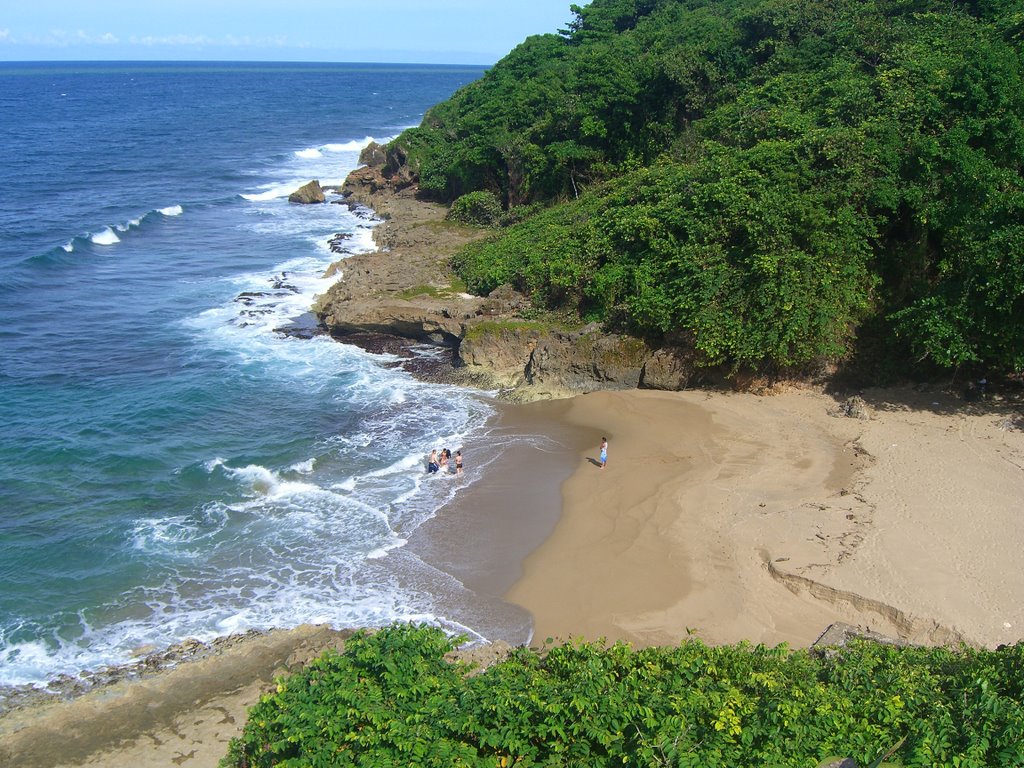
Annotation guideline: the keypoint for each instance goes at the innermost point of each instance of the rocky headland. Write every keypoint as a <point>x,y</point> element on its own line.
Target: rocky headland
<point>406,290</point>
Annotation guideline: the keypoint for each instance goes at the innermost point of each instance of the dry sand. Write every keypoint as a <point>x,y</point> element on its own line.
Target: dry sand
<point>721,516</point>
<point>765,518</point>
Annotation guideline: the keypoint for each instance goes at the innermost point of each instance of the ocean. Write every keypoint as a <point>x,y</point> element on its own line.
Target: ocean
<point>174,464</point>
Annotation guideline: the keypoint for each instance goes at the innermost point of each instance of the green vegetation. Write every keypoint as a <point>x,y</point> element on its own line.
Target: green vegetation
<point>780,181</point>
<point>477,208</point>
<point>393,699</point>
<point>456,287</point>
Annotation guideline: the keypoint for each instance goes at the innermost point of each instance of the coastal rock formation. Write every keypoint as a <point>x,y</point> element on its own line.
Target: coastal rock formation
<point>550,361</point>
<point>407,289</point>
<point>308,193</point>
<point>424,321</point>
<point>669,368</point>
<point>374,155</point>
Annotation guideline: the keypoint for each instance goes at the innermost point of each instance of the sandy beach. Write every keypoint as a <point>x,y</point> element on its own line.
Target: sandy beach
<point>733,517</point>
<point>720,516</point>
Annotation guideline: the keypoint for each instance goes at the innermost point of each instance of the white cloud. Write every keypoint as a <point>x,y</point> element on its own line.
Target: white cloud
<point>85,38</point>
<point>61,38</point>
<point>175,40</point>
<point>5,36</point>
<point>229,41</point>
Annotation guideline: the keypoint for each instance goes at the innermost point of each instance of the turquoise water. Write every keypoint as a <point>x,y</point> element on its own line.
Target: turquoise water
<point>172,465</point>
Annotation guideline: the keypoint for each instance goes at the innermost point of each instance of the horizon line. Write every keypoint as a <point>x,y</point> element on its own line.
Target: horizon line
<point>245,61</point>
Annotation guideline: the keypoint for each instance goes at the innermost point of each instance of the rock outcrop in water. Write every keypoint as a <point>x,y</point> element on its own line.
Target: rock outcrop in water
<point>310,192</point>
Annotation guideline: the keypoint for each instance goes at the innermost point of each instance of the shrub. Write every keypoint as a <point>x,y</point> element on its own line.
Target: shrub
<point>480,209</point>
<point>393,698</point>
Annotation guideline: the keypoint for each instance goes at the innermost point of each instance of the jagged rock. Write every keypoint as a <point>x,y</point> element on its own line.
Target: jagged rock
<point>551,361</point>
<point>669,368</point>
<point>504,300</point>
<point>430,324</point>
<point>373,155</point>
<point>501,350</point>
<point>838,762</point>
<point>406,289</point>
<point>587,360</point>
<point>308,193</point>
<point>337,242</point>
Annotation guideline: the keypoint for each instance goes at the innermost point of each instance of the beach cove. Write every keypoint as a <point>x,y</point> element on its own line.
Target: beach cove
<point>722,516</point>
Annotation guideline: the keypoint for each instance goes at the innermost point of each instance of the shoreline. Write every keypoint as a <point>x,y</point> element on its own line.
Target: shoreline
<point>181,705</point>
<point>720,516</point>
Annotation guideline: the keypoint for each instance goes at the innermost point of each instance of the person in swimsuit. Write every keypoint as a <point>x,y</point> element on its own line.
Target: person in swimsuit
<point>604,451</point>
<point>458,462</point>
<point>432,465</point>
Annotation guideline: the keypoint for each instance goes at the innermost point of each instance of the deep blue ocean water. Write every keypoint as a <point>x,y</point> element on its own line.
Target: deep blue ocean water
<point>171,465</point>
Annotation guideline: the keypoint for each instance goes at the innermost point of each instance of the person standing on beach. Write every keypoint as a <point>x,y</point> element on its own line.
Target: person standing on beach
<point>458,462</point>
<point>604,451</point>
<point>432,465</point>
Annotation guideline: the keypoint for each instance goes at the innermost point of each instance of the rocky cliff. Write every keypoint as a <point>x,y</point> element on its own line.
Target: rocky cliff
<point>406,289</point>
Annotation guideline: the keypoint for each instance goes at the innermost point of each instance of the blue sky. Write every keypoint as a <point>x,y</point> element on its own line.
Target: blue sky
<point>415,31</point>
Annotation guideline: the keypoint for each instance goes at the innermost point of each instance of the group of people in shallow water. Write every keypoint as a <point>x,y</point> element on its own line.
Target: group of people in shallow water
<point>442,459</point>
<point>437,461</point>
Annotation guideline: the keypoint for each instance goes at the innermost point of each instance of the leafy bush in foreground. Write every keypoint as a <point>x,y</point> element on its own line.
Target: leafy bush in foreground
<point>393,699</point>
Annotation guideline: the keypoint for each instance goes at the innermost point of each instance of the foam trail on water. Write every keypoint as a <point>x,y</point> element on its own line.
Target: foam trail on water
<point>355,146</point>
<point>171,210</point>
<point>316,153</point>
<point>274,191</point>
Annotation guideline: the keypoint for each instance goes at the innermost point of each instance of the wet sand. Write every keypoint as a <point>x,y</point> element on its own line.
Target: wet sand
<point>483,536</point>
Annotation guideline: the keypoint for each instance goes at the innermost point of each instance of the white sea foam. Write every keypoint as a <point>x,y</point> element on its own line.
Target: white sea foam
<point>303,467</point>
<point>171,535</point>
<point>204,615</point>
<point>105,237</point>
<point>263,481</point>
<point>274,191</point>
<point>381,552</point>
<point>22,662</point>
<point>110,235</point>
<point>212,464</point>
<point>309,154</point>
<point>348,484</point>
<point>351,146</point>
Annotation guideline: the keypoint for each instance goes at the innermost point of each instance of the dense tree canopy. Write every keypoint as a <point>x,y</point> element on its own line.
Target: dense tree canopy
<point>769,178</point>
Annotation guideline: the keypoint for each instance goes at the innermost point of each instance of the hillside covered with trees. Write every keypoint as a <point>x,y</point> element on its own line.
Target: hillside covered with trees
<point>775,183</point>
